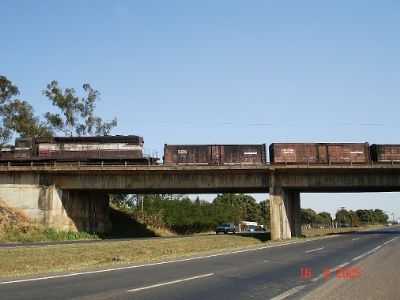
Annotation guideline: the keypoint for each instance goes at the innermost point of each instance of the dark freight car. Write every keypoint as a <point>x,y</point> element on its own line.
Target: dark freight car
<point>385,153</point>
<point>90,148</point>
<point>319,153</point>
<point>215,154</point>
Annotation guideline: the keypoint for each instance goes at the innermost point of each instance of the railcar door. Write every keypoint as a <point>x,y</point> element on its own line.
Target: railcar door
<point>215,154</point>
<point>322,153</point>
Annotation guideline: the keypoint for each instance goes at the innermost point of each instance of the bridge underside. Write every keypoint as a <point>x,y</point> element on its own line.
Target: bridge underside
<point>77,199</point>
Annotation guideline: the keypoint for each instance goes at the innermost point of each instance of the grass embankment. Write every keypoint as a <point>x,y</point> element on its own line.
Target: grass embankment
<point>315,232</point>
<point>71,257</point>
<point>37,233</point>
<point>15,226</point>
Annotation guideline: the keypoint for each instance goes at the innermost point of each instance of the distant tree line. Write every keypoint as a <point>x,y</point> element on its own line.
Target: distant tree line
<point>71,114</point>
<point>343,218</point>
<point>184,215</point>
<point>361,217</point>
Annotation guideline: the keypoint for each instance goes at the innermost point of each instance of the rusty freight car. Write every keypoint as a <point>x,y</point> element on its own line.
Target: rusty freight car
<point>385,153</point>
<point>215,154</point>
<point>319,153</point>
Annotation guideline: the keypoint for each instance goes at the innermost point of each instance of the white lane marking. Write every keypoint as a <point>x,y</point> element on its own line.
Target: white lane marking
<point>170,282</point>
<point>387,242</point>
<point>373,250</point>
<point>148,265</point>
<point>315,250</point>
<point>289,293</point>
<point>340,266</point>
<point>359,257</point>
<point>317,278</point>
<point>355,239</point>
<point>330,271</point>
<point>354,259</point>
<point>377,248</point>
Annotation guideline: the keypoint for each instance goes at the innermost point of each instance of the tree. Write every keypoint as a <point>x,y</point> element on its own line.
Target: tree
<point>77,114</point>
<point>265,213</point>
<point>354,219</point>
<point>308,216</point>
<point>17,116</point>
<point>7,92</point>
<point>323,218</point>
<point>343,217</point>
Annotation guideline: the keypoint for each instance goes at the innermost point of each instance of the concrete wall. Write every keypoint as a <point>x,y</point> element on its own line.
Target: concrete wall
<point>30,198</point>
<point>55,208</point>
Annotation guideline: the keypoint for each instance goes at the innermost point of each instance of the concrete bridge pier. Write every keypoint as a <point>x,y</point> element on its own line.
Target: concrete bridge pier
<point>86,210</point>
<point>50,206</point>
<point>285,213</point>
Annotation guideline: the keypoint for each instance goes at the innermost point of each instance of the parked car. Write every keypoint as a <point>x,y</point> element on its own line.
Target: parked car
<point>225,228</point>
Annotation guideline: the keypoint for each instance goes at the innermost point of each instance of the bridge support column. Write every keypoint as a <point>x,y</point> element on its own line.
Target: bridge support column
<point>87,210</point>
<point>285,214</point>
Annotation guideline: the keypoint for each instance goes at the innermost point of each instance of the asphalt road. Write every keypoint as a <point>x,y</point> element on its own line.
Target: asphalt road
<point>286,272</point>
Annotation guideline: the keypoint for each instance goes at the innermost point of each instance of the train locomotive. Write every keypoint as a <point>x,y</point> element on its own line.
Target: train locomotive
<point>92,149</point>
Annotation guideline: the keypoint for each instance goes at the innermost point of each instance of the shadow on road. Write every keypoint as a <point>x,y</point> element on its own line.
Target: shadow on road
<point>262,236</point>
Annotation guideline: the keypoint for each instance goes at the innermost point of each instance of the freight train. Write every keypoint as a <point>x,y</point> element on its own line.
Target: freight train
<point>107,149</point>
<point>129,149</point>
<point>282,154</point>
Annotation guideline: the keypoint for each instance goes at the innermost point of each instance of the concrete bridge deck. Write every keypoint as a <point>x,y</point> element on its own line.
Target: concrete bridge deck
<point>74,192</point>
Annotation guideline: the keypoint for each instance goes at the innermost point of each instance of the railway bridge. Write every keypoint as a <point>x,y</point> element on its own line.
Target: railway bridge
<point>75,197</point>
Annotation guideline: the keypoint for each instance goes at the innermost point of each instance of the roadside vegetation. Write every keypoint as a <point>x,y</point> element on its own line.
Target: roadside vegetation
<point>176,214</point>
<point>62,258</point>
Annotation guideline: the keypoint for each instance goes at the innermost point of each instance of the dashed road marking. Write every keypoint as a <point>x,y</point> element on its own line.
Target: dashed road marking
<point>289,293</point>
<point>315,250</point>
<point>170,282</point>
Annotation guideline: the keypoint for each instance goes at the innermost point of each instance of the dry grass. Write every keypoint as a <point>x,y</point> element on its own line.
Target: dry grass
<point>315,232</point>
<point>12,217</point>
<point>15,226</point>
<point>62,258</point>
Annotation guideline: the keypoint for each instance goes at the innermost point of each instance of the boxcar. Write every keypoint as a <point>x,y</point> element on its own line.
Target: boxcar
<point>385,153</point>
<point>319,153</point>
<point>215,154</point>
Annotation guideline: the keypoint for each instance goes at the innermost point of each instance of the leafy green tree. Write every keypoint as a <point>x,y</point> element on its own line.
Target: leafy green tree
<point>76,114</point>
<point>265,213</point>
<point>354,219</point>
<point>323,218</point>
<point>17,116</point>
<point>308,216</point>
<point>343,217</point>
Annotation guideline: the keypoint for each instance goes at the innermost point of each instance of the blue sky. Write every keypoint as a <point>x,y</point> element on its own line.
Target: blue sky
<point>219,71</point>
